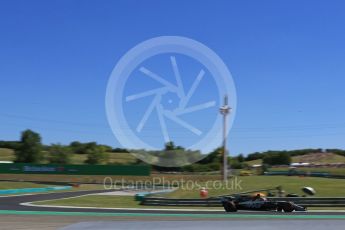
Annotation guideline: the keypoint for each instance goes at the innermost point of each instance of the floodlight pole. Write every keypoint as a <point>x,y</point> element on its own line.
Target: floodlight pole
<point>225,110</point>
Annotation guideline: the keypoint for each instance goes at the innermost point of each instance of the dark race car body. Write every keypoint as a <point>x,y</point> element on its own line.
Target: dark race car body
<point>241,202</point>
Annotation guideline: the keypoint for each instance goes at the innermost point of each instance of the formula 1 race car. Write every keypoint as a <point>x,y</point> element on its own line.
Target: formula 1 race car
<point>258,202</point>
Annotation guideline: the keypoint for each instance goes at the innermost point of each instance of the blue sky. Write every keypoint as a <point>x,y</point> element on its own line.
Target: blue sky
<point>287,60</point>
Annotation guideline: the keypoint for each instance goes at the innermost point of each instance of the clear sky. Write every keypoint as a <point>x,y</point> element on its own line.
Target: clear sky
<point>287,59</point>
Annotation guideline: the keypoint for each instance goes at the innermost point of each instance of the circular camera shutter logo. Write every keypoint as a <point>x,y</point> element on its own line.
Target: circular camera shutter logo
<point>147,107</point>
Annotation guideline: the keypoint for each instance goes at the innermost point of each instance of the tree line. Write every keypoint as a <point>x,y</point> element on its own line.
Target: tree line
<point>31,150</point>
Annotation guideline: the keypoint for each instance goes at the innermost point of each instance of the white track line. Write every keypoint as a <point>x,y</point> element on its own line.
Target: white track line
<point>128,209</point>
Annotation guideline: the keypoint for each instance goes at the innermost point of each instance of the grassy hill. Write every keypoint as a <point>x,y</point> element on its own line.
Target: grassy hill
<point>325,158</point>
<point>114,158</point>
<point>316,158</point>
<point>6,154</point>
<point>126,158</point>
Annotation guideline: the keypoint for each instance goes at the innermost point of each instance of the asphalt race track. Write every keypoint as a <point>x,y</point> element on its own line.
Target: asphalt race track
<point>13,215</point>
<point>210,225</point>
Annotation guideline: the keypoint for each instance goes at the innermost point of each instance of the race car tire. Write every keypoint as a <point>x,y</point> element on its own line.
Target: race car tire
<point>230,206</point>
<point>288,207</point>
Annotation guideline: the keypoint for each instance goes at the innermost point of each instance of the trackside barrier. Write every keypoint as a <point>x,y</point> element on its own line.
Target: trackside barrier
<point>303,173</point>
<point>297,173</point>
<point>122,170</point>
<point>215,202</point>
<point>33,190</point>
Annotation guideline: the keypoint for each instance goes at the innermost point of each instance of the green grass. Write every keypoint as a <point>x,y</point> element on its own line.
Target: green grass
<point>6,154</point>
<point>16,185</point>
<point>19,185</point>
<point>114,158</point>
<point>85,179</point>
<point>122,158</point>
<point>324,158</point>
<point>105,201</point>
<point>320,158</point>
<point>324,187</point>
<point>255,162</point>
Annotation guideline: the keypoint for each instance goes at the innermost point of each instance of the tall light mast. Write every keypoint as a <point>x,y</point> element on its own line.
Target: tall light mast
<point>225,110</point>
